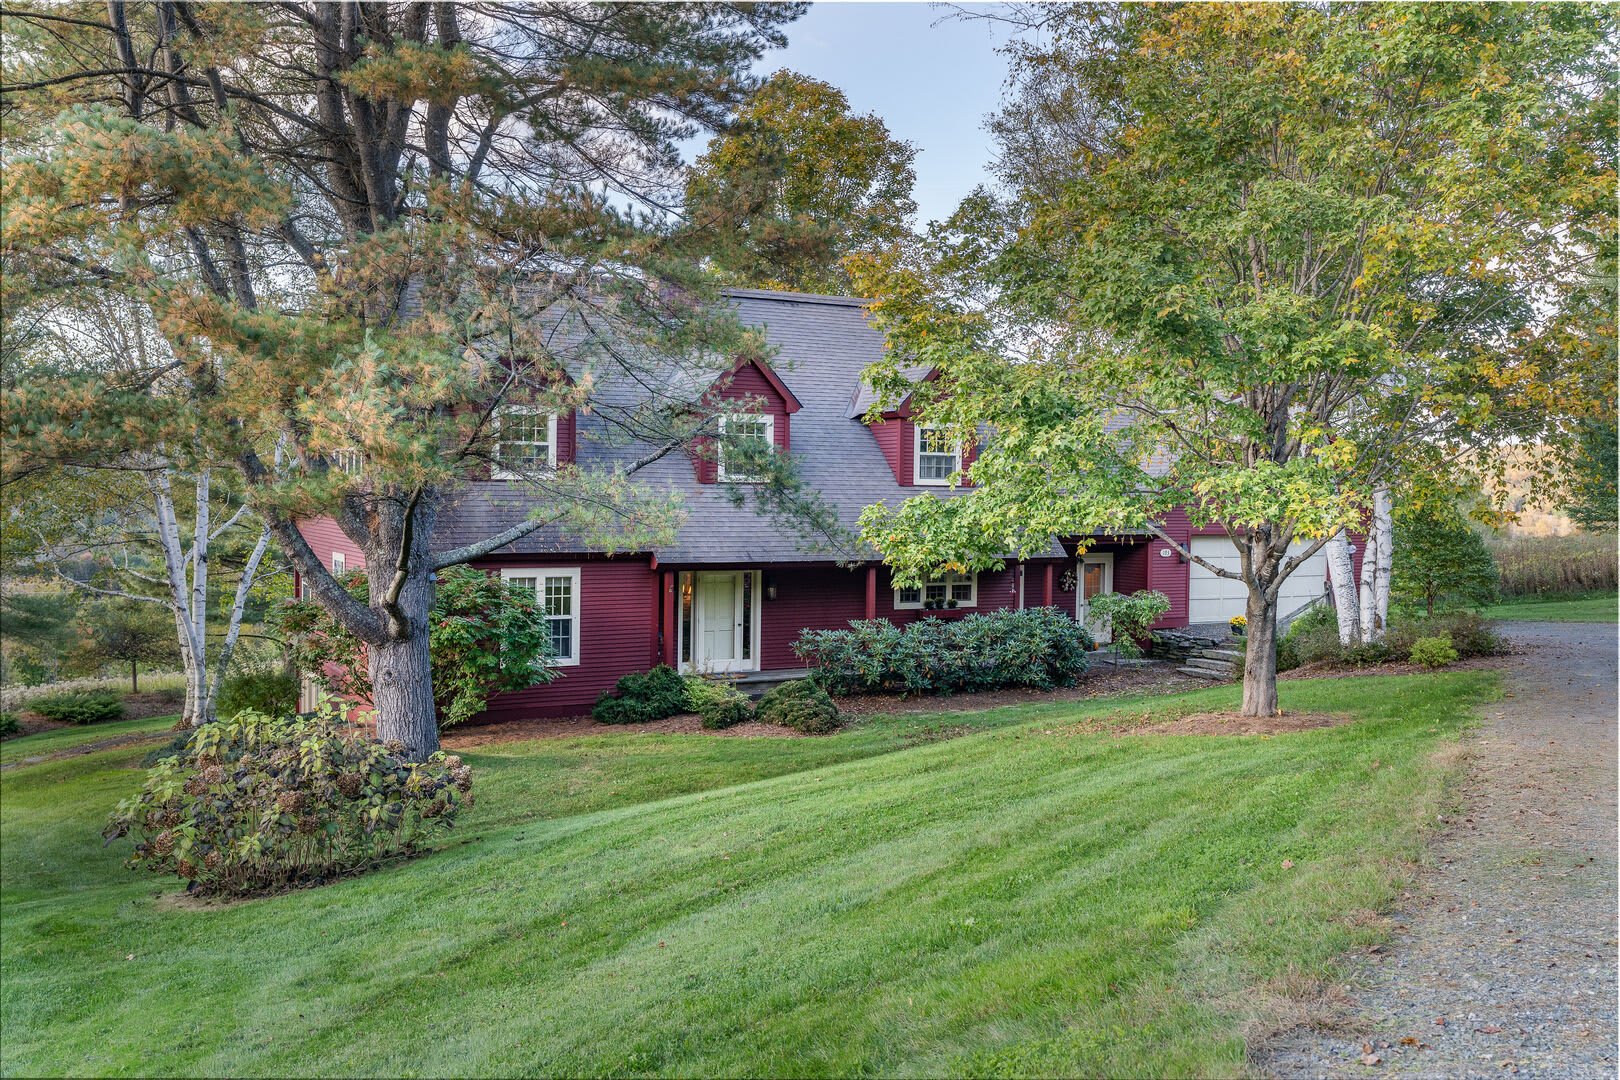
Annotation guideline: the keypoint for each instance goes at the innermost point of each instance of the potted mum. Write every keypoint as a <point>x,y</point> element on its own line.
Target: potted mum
<point>1240,625</point>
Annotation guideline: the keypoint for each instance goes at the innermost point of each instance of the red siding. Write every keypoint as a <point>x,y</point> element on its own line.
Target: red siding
<point>616,636</point>
<point>829,598</point>
<point>324,537</point>
<point>894,439</point>
<point>748,382</point>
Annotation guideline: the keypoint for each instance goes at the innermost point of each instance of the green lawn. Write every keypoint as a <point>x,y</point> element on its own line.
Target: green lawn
<point>65,738</point>
<point>1035,898</point>
<point>1603,608</point>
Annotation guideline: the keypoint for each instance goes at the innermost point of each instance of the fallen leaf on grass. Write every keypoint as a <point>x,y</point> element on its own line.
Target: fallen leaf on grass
<point>1371,1059</point>
<point>1488,1029</point>
<point>1288,864</point>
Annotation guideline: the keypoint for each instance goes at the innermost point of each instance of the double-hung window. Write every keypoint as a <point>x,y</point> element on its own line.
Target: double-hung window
<point>939,592</point>
<point>525,442</point>
<point>557,590</point>
<point>339,563</point>
<point>937,456</point>
<point>744,437</point>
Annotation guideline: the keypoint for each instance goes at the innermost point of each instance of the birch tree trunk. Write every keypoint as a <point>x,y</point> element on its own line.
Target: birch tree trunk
<point>1342,578</point>
<point>1384,529</point>
<point>1364,600</point>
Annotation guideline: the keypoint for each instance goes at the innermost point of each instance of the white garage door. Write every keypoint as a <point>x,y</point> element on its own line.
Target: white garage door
<point>1214,599</point>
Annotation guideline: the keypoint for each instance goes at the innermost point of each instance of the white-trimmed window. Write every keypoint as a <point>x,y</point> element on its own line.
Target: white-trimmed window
<point>735,429</point>
<point>525,442</point>
<point>347,460</point>
<point>339,562</point>
<point>557,590</point>
<point>939,592</point>
<point>937,456</point>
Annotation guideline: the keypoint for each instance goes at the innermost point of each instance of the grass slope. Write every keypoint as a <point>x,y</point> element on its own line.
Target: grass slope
<point>1601,608</point>
<point>59,739</point>
<point>1036,898</point>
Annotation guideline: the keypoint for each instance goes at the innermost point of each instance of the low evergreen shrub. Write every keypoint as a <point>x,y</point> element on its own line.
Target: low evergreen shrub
<point>1433,652</point>
<point>9,724</point>
<point>800,705</point>
<point>718,704</point>
<point>259,803</point>
<point>79,707</point>
<point>1037,647</point>
<point>267,691</point>
<point>640,698</point>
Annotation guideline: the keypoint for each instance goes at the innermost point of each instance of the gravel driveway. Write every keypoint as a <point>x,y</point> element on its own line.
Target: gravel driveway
<point>1504,959</point>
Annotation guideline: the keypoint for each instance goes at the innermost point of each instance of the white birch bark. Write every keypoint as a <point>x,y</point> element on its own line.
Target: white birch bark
<point>1342,578</point>
<point>1364,600</point>
<point>1384,529</point>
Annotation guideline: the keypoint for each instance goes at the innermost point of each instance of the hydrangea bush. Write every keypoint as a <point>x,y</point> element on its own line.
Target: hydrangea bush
<point>259,803</point>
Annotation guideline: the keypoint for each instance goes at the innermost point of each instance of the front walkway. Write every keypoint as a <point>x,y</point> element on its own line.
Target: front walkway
<point>1505,958</point>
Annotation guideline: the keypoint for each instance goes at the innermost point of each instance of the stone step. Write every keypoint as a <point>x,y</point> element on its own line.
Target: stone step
<point>1230,656</point>
<point>1207,662</point>
<point>1207,673</point>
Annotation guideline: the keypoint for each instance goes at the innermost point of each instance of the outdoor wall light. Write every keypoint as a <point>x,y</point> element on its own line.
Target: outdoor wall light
<point>770,591</point>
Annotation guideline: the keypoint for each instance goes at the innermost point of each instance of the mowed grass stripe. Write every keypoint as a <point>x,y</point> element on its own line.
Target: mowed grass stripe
<point>1008,902</point>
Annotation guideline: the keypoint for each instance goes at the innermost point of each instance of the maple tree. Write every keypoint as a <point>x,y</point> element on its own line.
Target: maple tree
<point>1267,264</point>
<point>796,184</point>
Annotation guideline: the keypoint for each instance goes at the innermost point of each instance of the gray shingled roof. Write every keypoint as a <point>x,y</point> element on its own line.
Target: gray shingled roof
<point>823,344</point>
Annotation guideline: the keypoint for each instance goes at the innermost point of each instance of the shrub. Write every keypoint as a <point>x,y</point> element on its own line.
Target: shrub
<point>259,803</point>
<point>1129,616</point>
<point>800,705</point>
<point>485,637</point>
<point>717,703</point>
<point>1470,634</point>
<point>9,724</point>
<point>1287,654</point>
<point>1039,647</point>
<point>79,707</point>
<point>274,693</point>
<point>1433,652</point>
<point>641,698</point>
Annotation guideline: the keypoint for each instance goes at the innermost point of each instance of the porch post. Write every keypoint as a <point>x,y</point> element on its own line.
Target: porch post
<point>670,656</point>
<point>871,592</point>
<point>1020,586</point>
<point>1046,586</point>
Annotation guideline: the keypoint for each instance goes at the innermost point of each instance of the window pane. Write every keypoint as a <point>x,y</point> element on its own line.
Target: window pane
<point>962,590</point>
<point>936,466</point>
<point>911,596</point>
<point>934,591</point>
<point>559,598</point>
<point>748,616</point>
<point>562,638</point>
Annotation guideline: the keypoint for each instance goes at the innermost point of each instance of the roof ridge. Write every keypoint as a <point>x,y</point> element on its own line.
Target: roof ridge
<point>797,297</point>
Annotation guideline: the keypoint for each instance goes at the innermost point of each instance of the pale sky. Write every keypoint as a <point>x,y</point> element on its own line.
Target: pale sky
<point>931,79</point>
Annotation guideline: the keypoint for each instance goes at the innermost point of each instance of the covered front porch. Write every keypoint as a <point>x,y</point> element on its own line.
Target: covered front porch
<point>744,620</point>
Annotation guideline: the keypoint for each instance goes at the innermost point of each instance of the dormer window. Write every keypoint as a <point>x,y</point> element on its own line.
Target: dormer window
<point>525,442</point>
<point>736,432</point>
<point>937,456</point>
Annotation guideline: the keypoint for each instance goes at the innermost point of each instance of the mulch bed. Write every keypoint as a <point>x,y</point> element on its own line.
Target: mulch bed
<point>1326,669</point>
<point>1101,681</point>
<point>1231,723</point>
<point>505,731</point>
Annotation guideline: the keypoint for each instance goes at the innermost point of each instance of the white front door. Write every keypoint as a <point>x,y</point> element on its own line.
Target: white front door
<point>1096,576</point>
<point>724,627</point>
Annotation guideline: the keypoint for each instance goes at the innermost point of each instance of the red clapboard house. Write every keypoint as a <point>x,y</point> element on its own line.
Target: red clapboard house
<point>735,591</point>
